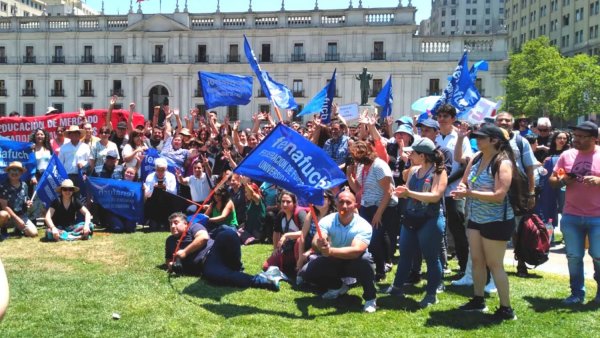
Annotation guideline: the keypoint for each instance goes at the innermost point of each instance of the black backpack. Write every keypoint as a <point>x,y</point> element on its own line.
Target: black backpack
<point>517,193</point>
<point>533,241</point>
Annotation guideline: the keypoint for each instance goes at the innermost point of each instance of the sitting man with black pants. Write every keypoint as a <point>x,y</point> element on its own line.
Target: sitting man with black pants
<point>343,253</point>
<point>218,260</point>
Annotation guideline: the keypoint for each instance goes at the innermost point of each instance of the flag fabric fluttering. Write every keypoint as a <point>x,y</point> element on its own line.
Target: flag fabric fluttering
<point>51,179</point>
<point>288,160</point>
<point>274,91</point>
<point>460,92</point>
<point>220,89</point>
<point>385,99</point>
<point>322,102</point>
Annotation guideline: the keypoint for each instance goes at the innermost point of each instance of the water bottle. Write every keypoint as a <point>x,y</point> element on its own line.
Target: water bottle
<point>550,230</point>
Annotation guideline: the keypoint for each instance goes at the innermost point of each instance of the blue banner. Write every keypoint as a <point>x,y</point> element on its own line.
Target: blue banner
<point>385,99</point>
<point>123,198</point>
<point>460,92</point>
<point>321,103</point>
<point>148,166</point>
<point>51,179</point>
<point>11,151</point>
<point>274,91</point>
<point>287,159</point>
<point>220,89</point>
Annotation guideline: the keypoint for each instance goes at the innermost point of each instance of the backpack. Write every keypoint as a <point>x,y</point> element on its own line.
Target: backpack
<point>517,192</point>
<point>533,241</point>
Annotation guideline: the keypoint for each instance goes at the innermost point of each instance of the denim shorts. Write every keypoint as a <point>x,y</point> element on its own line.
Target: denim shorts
<point>496,231</point>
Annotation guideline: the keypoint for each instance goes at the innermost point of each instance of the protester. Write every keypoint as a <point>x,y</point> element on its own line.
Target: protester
<point>14,201</point>
<point>491,218</point>
<point>102,148</point>
<point>337,146</point>
<point>59,140</point>
<point>200,182</point>
<point>218,259</point>
<point>371,179</point>
<point>61,217</point>
<point>74,155</point>
<point>423,224</point>
<point>158,206</point>
<point>221,212</point>
<point>238,196</point>
<point>342,252</point>
<point>133,151</point>
<point>251,231</point>
<point>577,170</point>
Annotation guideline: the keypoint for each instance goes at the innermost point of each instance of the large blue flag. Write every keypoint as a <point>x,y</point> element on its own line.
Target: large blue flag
<point>123,198</point>
<point>51,179</point>
<point>321,103</point>
<point>220,89</point>
<point>288,160</point>
<point>148,165</point>
<point>274,91</point>
<point>385,98</point>
<point>460,92</point>
<point>11,151</point>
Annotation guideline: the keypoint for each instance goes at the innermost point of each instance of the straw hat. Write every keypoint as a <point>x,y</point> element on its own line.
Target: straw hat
<point>73,129</point>
<point>185,132</point>
<point>15,165</point>
<point>67,184</point>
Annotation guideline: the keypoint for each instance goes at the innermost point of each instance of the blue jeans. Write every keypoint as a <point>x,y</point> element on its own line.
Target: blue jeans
<point>428,239</point>
<point>574,229</point>
<point>223,264</point>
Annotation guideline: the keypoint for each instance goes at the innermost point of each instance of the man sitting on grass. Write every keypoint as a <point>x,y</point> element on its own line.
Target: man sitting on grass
<point>14,202</point>
<point>343,253</point>
<point>218,260</point>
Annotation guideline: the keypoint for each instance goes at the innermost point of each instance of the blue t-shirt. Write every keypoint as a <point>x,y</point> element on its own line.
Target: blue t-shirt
<point>342,235</point>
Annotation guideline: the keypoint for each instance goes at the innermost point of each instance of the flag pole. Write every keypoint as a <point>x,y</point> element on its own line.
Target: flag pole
<point>196,214</point>
<point>315,220</point>
<point>279,116</point>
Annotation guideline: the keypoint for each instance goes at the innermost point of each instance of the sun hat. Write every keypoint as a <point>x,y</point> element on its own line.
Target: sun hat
<point>67,184</point>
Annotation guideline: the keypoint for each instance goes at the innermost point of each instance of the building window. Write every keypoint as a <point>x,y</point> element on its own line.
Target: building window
<point>473,22</point>
<point>378,53</point>
<point>57,89</point>
<point>87,106</point>
<point>566,20</point>
<point>29,57</point>
<point>452,23</point>
<point>29,88</point>
<point>234,55</point>
<point>233,113</point>
<point>434,87</point>
<point>29,109</point>
<point>298,53</point>
<point>3,7</point>
<point>198,91</point>
<point>443,12</point>
<point>117,54</point>
<point>117,88</point>
<point>87,90</point>
<point>264,108</point>
<point>2,88</point>
<point>2,54</point>
<point>487,11</point>
<point>593,32</point>
<point>266,55</point>
<point>332,52</point>
<point>377,85</point>
<point>87,57</point>
<point>595,8</point>
<point>58,55</point>
<point>564,41</point>
<point>453,11</point>
<point>298,88</point>
<point>59,107</point>
<point>201,55</point>
<point>2,109</point>
<point>201,110</point>
<point>158,56</point>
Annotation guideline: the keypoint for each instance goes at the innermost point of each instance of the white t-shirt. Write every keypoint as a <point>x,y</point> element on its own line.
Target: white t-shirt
<point>199,187</point>
<point>71,155</point>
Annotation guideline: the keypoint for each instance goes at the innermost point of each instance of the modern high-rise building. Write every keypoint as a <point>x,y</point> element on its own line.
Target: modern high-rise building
<point>467,17</point>
<point>571,25</point>
<point>21,7</point>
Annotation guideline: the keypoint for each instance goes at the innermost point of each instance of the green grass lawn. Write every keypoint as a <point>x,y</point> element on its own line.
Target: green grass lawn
<point>72,290</point>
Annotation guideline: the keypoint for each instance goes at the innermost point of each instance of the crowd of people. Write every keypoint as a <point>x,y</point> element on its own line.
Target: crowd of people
<point>432,189</point>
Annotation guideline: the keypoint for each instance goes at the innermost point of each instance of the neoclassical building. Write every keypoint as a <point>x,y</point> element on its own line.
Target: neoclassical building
<point>81,61</point>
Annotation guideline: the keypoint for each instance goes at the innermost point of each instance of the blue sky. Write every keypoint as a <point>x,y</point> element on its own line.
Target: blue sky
<point>209,6</point>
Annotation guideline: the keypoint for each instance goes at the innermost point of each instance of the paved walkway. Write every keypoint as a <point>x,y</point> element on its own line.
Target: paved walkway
<point>557,262</point>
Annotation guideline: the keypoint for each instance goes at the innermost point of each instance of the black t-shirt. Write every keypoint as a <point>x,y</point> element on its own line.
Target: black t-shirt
<point>196,257</point>
<point>118,141</point>
<point>65,217</point>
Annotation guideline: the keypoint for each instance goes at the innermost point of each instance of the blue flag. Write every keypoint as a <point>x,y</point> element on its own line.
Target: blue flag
<point>123,198</point>
<point>274,91</point>
<point>51,179</point>
<point>148,166</point>
<point>460,92</point>
<point>225,89</point>
<point>11,151</point>
<point>288,160</point>
<point>321,103</point>
<point>385,99</point>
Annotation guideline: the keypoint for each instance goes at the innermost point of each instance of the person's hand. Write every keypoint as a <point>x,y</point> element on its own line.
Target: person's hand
<point>176,112</point>
<point>591,180</point>
<point>401,191</point>
<point>323,246</point>
<point>403,154</point>
<point>227,154</point>
<point>132,106</point>
<point>254,118</point>
<point>236,125</point>
<point>376,220</point>
<point>86,231</point>
<point>463,130</point>
<point>55,234</point>
<point>114,100</point>
<point>29,203</point>
<point>460,192</point>
<point>388,120</point>
<point>186,118</point>
<point>281,241</point>
<point>181,254</point>
<point>34,180</point>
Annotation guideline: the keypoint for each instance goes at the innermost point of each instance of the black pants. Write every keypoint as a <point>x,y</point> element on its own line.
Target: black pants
<point>455,219</point>
<point>327,271</point>
<point>224,262</point>
<point>381,243</point>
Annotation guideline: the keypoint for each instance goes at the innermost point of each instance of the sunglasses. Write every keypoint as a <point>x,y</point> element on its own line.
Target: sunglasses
<point>14,171</point>
<point>105,132</point>
<point>68,189</point>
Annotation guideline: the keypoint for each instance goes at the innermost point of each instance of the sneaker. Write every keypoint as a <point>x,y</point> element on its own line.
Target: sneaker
<point>388,267</point>
<point>522,273</point>
<point>349,280</point>
<point>464,281</point>
<point>263,282</point>
<point>379,277</point>
<point>335,293</point>
<point>273,273</point>
<point>573,300</point>
<point>394,291</point>
<point>505,313</point>
<point>491,287</point>
<point>370,306</point>
<point>428,300</point>
<point>474,304</point>
<point>413,278</point>
<point>441,288</point>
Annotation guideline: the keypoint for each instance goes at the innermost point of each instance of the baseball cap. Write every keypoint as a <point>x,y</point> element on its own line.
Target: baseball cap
<point>431,123</point>
<point>588,127</point>
<point>492,131</point>
<point>405,128</point>
<point>423,146</point>
<point>112,153</point>
<point>122,125</point>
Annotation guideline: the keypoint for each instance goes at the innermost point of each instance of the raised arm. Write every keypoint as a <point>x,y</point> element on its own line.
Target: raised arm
<point>111,105</point>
